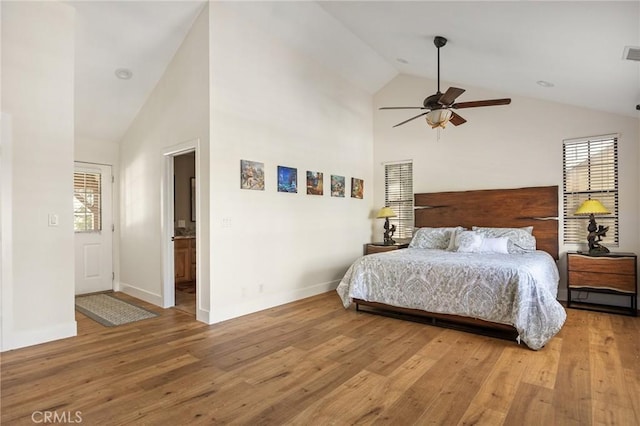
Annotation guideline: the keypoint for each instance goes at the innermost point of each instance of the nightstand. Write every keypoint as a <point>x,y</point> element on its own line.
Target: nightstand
<point>611,273</point>
<point>382,247</point>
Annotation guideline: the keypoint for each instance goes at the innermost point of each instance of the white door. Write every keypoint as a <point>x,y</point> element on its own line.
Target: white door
<point>93,226</point>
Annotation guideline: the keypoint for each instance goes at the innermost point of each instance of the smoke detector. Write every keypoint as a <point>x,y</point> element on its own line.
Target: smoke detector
<point>631,53</point>
<point>124,73</point>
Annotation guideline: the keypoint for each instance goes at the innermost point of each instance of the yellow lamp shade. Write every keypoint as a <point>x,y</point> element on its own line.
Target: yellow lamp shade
<point>386,212</point>
<point>591,207</point>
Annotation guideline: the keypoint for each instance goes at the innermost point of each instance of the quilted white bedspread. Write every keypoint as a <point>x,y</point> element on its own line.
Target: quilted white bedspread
<point>514,289</point>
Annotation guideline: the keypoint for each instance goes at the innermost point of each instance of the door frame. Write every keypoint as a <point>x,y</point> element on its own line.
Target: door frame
<point>168,220</point>
<point>7,337</point>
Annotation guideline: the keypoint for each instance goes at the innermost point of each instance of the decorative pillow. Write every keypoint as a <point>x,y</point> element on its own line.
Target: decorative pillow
<point>454,234</point>
<point>520,239</point>
<point>432,238</point>
<point>468,242</point>
<point>495,245</point>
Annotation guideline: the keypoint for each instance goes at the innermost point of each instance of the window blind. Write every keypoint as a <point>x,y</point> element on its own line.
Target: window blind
<point>87,202</point>
<point>590,172</point>
<point>398,194</point>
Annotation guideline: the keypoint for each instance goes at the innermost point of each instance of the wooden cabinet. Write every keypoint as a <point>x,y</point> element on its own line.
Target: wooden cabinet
<point>611,273</point>
<point>184,259</point>
<point>380,247</point>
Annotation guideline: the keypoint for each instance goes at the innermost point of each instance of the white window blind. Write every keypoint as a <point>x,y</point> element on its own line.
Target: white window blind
<point>590,172</point>
<point>87,202</point>
<point>398,194</point>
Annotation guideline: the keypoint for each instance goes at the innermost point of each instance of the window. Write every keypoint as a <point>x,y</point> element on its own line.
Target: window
<point>398,194</point>
<point>87,203</point>
<point>590,172</point>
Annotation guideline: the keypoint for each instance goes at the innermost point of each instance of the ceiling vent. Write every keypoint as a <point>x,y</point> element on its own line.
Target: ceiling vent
<point>631,53</point>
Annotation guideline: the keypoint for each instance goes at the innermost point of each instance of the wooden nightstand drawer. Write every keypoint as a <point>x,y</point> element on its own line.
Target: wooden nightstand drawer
<point>619,265</point>
<point>619,282</point>
<point>380,248</point>
<point>611,273</point>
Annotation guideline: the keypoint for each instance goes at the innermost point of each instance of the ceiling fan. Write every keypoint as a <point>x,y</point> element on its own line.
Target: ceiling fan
<point>438,107</point>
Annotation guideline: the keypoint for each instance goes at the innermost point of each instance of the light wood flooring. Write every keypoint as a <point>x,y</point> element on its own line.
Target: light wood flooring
<point>312,362</point>
<point>186,300</point>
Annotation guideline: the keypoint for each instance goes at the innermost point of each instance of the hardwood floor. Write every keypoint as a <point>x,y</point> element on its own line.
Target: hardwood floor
<point>312,362</point>
<point>185,297</point>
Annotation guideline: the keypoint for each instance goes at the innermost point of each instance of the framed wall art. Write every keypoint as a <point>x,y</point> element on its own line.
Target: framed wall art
<point>314,183</point>
<point>287,179</point>
<point>337,186</point>
<point>357,188</point>
<point>251,175</point>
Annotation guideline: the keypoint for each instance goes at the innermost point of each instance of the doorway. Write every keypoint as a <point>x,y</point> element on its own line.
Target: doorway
<point>184,246</point>
<point>180,227</point>
<point>93,227</point>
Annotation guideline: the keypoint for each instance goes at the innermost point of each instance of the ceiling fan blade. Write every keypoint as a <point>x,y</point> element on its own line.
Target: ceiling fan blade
<point>456,119</point>
<point>488,102</point>
<point>412,118</point>
<point>402,108</point>
<point>450,95</point>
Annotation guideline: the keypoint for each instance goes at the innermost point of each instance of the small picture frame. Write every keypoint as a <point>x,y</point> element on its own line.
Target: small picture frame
<point>314,183</point>
<point>337,186</point>
<point>287,179</point>
<point>251,175</point>
<point>357,188</point>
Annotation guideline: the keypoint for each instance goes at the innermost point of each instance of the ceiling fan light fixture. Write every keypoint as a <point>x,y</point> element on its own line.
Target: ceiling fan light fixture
<point>437,107</point>
<point>438,117</point>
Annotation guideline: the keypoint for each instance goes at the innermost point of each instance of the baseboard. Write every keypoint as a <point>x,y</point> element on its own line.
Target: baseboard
<point>147,296</point>
<point>203,316</point>
<point>23,338</point>
<point>226,312</point>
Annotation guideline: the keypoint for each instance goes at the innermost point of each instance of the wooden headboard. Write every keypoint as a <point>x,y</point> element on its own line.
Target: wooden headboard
<point>508,208</point>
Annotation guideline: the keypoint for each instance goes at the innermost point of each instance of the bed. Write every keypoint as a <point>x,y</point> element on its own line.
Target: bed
<point>510,295</point>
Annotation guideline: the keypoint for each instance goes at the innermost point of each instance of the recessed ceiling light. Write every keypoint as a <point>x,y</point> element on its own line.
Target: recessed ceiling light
<point>402,60</point>
<point>124,73</point>
<point>544,83</point>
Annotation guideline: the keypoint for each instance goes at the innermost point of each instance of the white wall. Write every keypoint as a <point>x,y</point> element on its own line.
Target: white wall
<point>177,111</point>
<point>272,104</point>
<point>501,147</point>
<point>37,92</point>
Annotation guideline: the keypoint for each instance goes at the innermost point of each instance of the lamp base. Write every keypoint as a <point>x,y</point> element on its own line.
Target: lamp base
<point>388,232</point>
<point>598,250</point>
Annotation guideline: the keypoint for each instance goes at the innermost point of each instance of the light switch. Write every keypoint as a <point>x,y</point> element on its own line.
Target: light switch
<point>53,219</point>
<point>181,223</point>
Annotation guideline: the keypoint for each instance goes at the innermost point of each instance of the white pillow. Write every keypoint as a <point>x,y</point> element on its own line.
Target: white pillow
<point>521,238</point>
<point>494,245</point>
<point>468,242</point>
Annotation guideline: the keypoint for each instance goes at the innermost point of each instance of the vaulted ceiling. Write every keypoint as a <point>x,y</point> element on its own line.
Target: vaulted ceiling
<point>506,46</point>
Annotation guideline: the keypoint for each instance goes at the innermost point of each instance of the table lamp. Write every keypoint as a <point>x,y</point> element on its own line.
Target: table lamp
<point>591,208</point>
<point>386,213</point>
